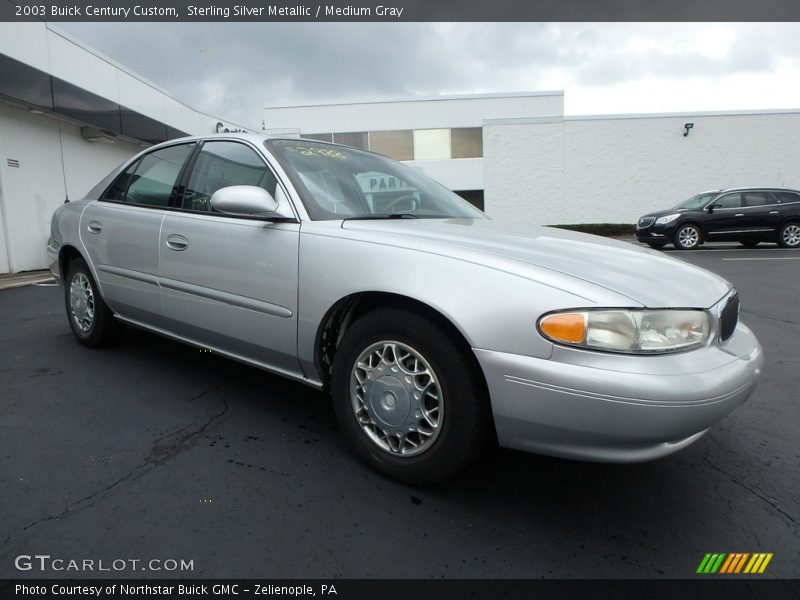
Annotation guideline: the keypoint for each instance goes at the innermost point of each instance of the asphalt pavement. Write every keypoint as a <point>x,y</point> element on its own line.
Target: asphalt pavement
<point>152,450</point>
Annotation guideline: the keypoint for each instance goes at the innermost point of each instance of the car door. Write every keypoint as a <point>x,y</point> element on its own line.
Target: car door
<point>230,282</point>
<point>724,220</point>
<point>761,215</point>
<point>788,207</point>
<point>121,232</point>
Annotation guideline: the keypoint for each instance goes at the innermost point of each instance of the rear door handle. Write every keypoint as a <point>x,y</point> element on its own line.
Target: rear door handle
<point>774,212</point>
<point>177,242</point>
<point>95,226</point>
<point>739,215</point>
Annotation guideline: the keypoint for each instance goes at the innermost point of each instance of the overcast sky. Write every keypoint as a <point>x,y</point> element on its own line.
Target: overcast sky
<point>233,70</point>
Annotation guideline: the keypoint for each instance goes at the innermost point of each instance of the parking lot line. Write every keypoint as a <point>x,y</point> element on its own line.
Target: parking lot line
<point>766,258</point>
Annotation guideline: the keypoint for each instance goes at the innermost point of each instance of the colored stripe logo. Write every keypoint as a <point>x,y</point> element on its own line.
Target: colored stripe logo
<point>734,563</point>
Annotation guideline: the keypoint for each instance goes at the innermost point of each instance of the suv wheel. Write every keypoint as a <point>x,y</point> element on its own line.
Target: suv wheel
<point>687,237</point>
<point>789,236</point>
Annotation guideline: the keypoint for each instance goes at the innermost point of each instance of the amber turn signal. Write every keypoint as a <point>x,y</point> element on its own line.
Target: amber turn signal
<point>568,328</point>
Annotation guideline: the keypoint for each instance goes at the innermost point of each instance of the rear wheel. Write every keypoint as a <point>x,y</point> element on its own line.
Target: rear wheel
<point>687,237</point>
<point>789,236</point>
<point>409,397</point>
<point>91,320</point>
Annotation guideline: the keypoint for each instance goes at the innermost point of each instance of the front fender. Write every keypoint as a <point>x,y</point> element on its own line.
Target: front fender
<point>492,308</point>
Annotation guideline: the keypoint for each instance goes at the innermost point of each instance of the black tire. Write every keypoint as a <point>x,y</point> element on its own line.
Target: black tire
<point>103,329</point>
<point>657,245</point>
<point>788,235</point>
<point>466,422</point>
<point>748,243</point>
<point>687,237</point>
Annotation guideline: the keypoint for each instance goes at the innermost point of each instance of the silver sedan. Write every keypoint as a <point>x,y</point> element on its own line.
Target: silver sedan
<point>436,330</point>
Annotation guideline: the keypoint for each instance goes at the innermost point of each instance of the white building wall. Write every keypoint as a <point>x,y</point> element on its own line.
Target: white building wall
<point>31,192</point>
<point>426,113</point>
<point>613,169</point>
<point>53,165</point>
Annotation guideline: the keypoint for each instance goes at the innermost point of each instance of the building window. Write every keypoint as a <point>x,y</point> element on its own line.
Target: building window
<point>466,142</point>
<point>398,145</point>
<point>431,144</point>
<point>474,197</point>
<point>320,137</point>
<point>354,139</point>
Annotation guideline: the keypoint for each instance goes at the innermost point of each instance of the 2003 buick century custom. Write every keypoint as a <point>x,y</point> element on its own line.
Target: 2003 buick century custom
<point>435,328</point>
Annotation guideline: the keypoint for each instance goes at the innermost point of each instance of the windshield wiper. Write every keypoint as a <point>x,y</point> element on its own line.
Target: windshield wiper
<point>397,215</point>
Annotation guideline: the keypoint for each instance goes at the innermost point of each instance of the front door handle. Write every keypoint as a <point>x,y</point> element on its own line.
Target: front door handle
<point>774,212</point>
<point>95,227</point>
<point>739,215</point>
<point>177,242</point>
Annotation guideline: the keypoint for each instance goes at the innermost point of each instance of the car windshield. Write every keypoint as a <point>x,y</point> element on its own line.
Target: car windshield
<point>698,201</point>
<point>337,182</point>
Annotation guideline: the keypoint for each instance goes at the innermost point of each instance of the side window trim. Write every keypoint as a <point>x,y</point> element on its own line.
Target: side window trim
<point>176,200</point>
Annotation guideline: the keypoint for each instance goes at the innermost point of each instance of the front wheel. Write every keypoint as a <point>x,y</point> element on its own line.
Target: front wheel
<point>91,320</point>
<point>409,397</point>
<point>687,237</point>
<point>789,236</point>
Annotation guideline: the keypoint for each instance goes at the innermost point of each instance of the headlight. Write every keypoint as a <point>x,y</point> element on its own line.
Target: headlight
<point>667,219</point>
<point>630,331</point>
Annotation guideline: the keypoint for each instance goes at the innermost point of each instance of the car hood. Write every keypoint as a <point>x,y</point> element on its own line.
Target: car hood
<point>648,277</point>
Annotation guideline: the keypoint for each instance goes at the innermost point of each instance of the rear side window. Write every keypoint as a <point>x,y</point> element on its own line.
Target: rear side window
<point>151,180</point>
<point>756,199</point>
<point>786,197</point>
<point>728,201</point>
<point>222,164</point>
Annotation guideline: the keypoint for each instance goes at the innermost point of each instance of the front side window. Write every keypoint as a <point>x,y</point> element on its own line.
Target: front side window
<point>222,164</point>
<point>151,180</point>
<point>339,183</point>
<point>728,201</point>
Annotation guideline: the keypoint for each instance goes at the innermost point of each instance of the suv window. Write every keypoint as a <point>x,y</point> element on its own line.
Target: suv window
<point>728,201</point>
<point>756,199</point>
<point>222,164</point>
<point>786,197</point>
<point>150,180</point>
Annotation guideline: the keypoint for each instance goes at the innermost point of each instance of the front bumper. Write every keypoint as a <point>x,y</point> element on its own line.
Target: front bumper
<point>618,408</point>
<point>656,234</point>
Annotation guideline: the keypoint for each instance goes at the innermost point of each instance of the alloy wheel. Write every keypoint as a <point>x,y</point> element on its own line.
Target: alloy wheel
<point>791,235</point>
<point>688,237</point>
<point>396,398</point>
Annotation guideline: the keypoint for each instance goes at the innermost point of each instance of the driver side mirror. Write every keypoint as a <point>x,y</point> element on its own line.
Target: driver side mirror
<point>712,207</point>
<point>244,200</point>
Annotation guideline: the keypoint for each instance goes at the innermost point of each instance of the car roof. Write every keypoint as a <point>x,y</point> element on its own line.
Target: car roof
<point>766,188</point>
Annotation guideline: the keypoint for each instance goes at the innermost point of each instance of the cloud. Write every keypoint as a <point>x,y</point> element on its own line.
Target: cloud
<point>234,69</point>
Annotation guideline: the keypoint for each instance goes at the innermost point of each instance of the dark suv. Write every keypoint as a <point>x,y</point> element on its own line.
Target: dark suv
<point>746,215</point>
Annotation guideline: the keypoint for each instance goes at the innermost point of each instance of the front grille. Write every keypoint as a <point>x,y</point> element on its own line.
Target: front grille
<point>729,317</point>
<point>645,222</point>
